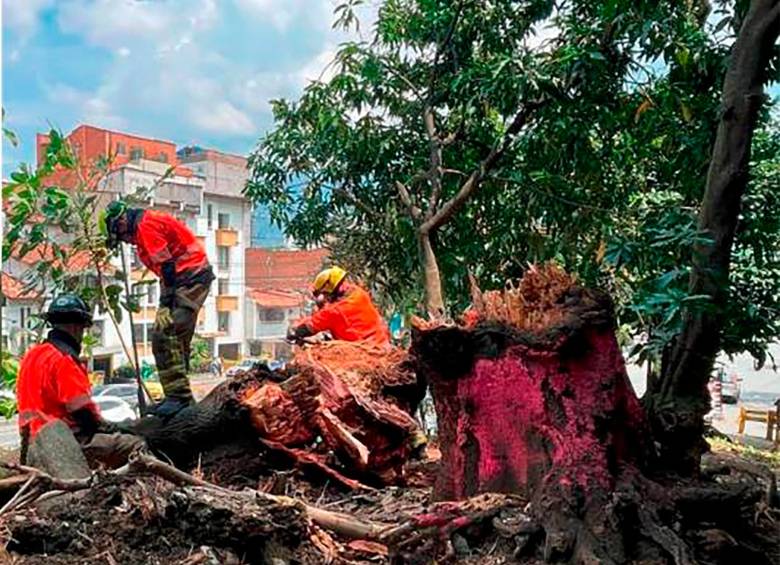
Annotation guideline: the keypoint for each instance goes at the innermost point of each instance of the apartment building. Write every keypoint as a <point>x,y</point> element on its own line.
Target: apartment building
<point>202,189</point>
<point>225,226</point>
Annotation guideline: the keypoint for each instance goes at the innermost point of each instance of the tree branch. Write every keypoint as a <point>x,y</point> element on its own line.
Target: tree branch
<point>475,178</point>
<point>435,159</point>
<point>356,202</point>
<point>406,198</point>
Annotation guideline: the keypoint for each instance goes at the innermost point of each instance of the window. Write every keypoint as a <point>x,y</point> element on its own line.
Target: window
<point>138,333</point>
<point>135,262</point>
<point>121,149</point>
<point>271,315</point>
<point>224,287</point>
<point>223,221</point>
<point>141,330</point>
<point>163,158</point>
<point>139,293</point>
<point>210,216</point>
<point>97,329</point>
<point>223,321</point>
<point>136,153</point>
<point>223,257</point>
<point>145,293</point>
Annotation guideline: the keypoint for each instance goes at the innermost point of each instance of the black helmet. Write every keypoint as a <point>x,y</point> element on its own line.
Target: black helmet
<point>68,309</point>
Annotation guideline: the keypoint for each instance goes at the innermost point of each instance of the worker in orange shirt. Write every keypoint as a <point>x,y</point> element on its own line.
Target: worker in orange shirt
<point>347,311</point>
<point>53,385</point>
<point>172,252</point>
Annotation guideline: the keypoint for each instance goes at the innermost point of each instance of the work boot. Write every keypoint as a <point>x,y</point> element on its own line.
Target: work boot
<point>171,406</point>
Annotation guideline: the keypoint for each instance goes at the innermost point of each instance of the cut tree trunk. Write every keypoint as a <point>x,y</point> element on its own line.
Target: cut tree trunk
<point>354,397</point>
<point>679,401</point>
<point>532,398</point>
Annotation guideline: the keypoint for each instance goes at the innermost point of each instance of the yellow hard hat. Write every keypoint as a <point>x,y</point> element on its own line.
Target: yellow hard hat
<point>328,280</point>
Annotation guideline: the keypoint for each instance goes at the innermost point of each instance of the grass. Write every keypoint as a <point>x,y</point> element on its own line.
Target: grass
<point>766,456</point>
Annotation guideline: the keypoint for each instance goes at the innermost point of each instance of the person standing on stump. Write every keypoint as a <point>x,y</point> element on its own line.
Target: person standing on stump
<point>53,385</point>
<point>172,252</point>
<point>344,309</point>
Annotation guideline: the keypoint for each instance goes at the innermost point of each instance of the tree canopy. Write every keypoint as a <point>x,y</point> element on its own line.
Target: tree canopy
<point>473,136</point>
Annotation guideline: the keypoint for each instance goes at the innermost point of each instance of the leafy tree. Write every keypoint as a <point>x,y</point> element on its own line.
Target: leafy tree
<point>200,356</point>
<point>455,135</point>
<point>59,223</point>
<point>680,400</point>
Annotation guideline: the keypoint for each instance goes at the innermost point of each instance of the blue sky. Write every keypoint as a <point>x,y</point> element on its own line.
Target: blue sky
<point>191,71</point>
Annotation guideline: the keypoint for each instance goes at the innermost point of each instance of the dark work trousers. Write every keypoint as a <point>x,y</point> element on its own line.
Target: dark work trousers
<point>171,343</point>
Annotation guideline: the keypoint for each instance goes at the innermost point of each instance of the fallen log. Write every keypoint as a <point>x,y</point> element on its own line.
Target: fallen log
<point>333,396</point>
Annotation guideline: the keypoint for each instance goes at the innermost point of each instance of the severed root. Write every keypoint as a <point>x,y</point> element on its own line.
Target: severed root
<point>445,519</point>
<point>337,522</point>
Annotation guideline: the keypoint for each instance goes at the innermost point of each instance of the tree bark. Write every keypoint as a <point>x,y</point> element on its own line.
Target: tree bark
<point>434,298</point>
<point>680,399</point>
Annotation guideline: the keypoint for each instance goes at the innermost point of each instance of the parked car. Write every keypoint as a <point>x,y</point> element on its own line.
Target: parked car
<point>730,385</point>
<point>114,408</point>
<point>127,392</point>
<point>245,365</point>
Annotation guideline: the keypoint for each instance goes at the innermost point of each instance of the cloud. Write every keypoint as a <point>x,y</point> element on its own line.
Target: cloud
<point>22,16</point>
<point>224,118</point>
<point>113,23</point>
<point>93,108</point>
<point>281,13</point>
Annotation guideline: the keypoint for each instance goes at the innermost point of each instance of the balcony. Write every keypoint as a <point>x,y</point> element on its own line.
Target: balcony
<point>227,303</point>
<point>271,330</point>
<point>227,237</point>
<point>147,313</point>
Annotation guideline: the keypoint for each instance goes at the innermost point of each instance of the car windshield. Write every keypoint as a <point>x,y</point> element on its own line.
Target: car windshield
<point>108,404</point>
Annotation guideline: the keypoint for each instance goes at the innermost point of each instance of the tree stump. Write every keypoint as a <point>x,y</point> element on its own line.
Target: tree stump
<point>533,398</point>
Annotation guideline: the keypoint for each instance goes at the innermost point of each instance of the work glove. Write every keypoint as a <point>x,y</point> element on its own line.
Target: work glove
<point>164,319</point>
<point>297,333</point>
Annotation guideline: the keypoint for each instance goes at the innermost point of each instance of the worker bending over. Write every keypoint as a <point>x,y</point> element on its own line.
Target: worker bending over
<point>347,311</point>
<point>53,385</point>
<point>172,252</point>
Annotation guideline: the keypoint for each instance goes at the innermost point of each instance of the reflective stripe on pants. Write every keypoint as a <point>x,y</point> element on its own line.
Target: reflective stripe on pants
<point>171,344</point>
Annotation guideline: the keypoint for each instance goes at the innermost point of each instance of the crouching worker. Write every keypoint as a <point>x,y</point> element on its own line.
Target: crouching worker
<point>53,385</point>
<point>344,309</point>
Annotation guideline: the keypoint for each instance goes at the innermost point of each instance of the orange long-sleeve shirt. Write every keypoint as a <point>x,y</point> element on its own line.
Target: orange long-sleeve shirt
<point>353,317</point>
<point>161,238</point>
<point>51,385</point>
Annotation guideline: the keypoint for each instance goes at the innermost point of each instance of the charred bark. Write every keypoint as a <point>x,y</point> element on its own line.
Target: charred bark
<point>679,401</point>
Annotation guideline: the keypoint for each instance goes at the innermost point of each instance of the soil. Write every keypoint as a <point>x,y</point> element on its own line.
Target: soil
<point>134,520</point>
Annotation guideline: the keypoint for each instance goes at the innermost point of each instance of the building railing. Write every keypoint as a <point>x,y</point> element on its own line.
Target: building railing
<point>227,237</point>
<point>271,329</point>
<point>226,303</point>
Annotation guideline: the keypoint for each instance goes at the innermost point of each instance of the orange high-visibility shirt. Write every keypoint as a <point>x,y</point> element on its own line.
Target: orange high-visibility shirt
<point>161,238</point>
<point>353,317</point>
<point>51,384</point>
